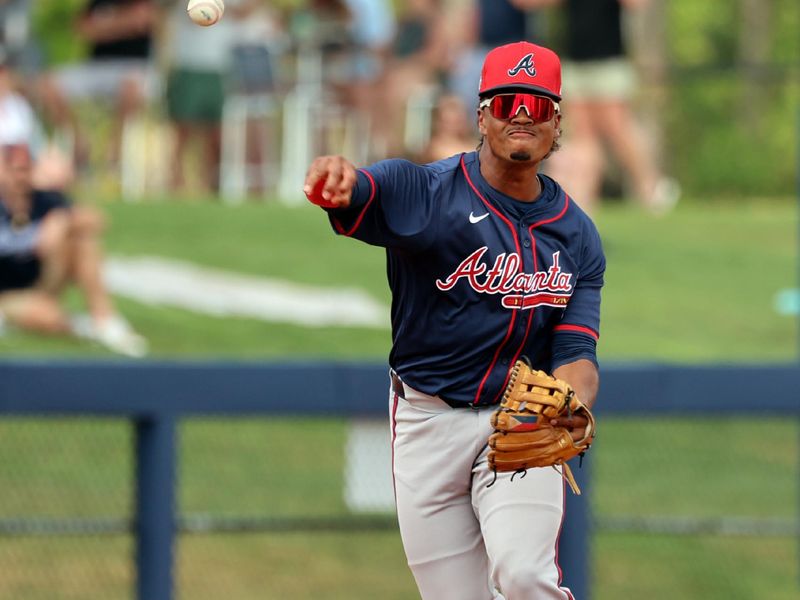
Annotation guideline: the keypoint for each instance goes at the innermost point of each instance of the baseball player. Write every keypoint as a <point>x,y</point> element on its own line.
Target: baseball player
<point>488,260</point>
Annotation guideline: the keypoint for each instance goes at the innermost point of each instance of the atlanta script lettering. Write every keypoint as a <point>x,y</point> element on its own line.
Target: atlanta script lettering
<point>552,287</point>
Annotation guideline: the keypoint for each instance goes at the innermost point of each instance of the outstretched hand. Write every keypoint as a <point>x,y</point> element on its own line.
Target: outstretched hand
<point>329,182</point>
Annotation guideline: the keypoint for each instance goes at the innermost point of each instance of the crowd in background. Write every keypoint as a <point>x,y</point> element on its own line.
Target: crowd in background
<point>392,78</point>
<point>399,66</point>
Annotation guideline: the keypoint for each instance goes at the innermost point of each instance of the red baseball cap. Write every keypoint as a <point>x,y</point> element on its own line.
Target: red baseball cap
<point>521,66</point>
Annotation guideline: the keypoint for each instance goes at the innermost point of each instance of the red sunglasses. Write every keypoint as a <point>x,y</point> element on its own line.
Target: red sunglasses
<point>506,106</point>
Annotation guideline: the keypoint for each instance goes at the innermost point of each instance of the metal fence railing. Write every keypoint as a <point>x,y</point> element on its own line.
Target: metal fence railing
<point>176,408</point>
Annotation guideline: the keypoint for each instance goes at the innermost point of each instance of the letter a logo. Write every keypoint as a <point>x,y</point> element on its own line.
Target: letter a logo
<point>525,64</point>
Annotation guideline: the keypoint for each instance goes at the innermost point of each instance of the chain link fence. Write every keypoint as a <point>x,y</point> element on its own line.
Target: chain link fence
<point>286,508</point>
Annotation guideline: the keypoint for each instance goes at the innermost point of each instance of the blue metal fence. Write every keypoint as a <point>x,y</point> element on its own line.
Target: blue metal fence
<point>156,395</point>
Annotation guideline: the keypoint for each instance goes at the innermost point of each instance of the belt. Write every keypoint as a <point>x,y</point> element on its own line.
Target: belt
<point>397,385</point>
<point>399,388</point>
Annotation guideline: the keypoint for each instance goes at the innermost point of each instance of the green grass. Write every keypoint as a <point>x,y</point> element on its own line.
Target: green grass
<point>66,568</point>
<point>370,565</point>
<point>259,467</point>
<point>699,284</point>
<point>694,568</point>
<point>696,286</point>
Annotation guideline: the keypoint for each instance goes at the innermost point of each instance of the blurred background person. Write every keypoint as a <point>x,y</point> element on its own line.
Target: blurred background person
<point>253,85</point>
<point>119,34</point>
<point>342,47</point>
<point>321,32</point>
<point>598,114</point>
<point>46,244</point>
<point>197,58</point>
<point>21,61</point>
<point>372,29</point>
<point>486,24</point>
<point>207,69</point>
<point>19,125</point>
<point>16,37</point>
<point>417,63</point>
<point>18,122</point>
<point>451,131</point>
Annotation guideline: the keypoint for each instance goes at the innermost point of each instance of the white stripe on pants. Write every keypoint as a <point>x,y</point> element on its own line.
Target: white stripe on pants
<point>464,540</point>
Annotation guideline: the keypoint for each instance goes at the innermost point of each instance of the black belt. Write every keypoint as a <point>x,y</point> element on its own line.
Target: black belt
<point>397,385</point>
<point>397,388</point>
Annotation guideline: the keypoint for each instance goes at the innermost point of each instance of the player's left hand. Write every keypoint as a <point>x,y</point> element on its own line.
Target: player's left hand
<point>539,423</point>
<point>576,425</point>
<point>329,182</point>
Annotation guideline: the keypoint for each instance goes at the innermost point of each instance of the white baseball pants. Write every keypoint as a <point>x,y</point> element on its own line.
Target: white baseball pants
<point>464,540</point>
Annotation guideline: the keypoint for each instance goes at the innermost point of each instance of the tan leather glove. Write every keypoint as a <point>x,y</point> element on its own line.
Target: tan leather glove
<point>523,436</point>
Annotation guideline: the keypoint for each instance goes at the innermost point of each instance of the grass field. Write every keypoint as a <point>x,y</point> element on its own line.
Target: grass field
<point>679,468</point>
<point>696,286</point>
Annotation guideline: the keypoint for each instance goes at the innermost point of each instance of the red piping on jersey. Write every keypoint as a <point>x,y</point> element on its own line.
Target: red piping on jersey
<point>373,188</point>
<point>490,207</point>
<point>533,309</point>
<point>578,329</point>
<point>530,320</point>
<point>395,402</point>
<point>558,537</point>
<point>550,220</point>
<point>513,312</point>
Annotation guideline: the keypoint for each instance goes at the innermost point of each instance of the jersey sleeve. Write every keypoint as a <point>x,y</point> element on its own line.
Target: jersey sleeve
<point>393,205</point>
<point>577,333</point>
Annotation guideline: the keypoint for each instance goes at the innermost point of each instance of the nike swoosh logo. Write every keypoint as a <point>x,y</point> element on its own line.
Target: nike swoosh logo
<point>473,219</point>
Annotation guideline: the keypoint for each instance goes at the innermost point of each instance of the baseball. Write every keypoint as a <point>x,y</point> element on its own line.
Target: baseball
<point>315,195</point>
<point>205,12</point>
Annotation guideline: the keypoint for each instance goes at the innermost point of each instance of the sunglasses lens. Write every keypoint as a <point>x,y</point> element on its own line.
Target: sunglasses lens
<point>507,106</point>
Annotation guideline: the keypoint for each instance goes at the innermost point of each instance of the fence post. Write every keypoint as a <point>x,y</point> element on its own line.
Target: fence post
<point>574,546</point>
<point>155,506</point>
<point>797,290</point>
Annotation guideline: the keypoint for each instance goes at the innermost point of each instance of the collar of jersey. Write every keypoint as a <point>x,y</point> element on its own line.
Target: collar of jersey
<point>549,203</point>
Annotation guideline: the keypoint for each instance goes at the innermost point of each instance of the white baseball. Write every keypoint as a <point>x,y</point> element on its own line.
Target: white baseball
<point>205,12</point>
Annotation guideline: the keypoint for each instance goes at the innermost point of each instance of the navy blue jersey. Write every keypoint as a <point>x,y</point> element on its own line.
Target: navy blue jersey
<point>478,279</point>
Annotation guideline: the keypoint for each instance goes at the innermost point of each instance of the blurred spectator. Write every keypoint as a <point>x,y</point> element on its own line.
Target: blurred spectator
<point>420,55</point>
<point>488,24</point>
<point>251,122</point>
<point>198,59</point>
<point>45,244</point>
<point>451,132</point>
<point>119,34</point>
<point>342,50</point>
<point>19,125</point>
<point>260,40</point>
<point>208,65</point>
<point>322,32</point>
<point>15,36</point>
<point>372,28</point>
<point>600,82</point>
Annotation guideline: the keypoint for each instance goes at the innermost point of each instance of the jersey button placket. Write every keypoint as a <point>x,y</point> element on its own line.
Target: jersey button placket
<point>529,264</point>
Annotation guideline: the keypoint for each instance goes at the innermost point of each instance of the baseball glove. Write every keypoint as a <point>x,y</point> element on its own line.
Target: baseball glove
<point>523,436</point>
